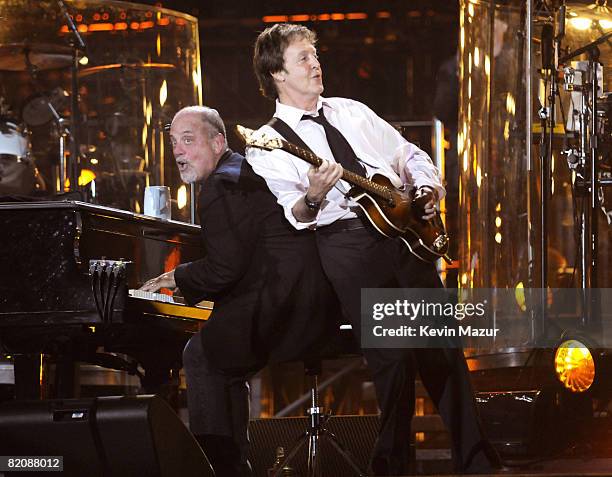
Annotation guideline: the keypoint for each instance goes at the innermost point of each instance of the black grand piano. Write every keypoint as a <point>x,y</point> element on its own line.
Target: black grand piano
<point>46,302</point>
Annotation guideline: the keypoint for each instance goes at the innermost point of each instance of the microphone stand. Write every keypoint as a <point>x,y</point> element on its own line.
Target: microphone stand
<point>78,45</point>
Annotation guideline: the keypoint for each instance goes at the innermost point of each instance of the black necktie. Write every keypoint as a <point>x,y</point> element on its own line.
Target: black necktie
<point>340,148</point>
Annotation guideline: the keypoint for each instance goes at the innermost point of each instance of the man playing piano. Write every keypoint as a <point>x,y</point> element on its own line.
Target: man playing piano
<point>272,300</point>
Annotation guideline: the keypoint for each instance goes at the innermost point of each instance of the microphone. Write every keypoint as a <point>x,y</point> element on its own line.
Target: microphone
<point>546,46</point>
<point>80,43</point>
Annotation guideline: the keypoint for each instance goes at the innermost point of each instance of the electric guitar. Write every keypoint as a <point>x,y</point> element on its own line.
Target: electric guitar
<point>391,211</point>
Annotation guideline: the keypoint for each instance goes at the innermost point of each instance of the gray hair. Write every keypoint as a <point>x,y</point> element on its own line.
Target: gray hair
<point>209,116</point>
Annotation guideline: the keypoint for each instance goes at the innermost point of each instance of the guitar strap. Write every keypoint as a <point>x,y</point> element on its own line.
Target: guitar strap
<point>288,134</point>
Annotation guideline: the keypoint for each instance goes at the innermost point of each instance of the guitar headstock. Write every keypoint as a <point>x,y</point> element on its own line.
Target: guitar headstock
<point>261,142</point>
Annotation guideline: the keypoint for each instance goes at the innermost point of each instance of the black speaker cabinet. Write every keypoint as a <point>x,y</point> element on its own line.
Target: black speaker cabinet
<point>106,436</point>
<point>528,423</point>
<point>356,433</point>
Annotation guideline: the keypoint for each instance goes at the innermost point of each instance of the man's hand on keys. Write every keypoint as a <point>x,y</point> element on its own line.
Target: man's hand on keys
<point>165,280</point>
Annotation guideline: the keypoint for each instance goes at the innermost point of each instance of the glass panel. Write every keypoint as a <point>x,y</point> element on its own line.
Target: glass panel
<point>500,191</point>
<point>492,162</point>
<point>143,65</point>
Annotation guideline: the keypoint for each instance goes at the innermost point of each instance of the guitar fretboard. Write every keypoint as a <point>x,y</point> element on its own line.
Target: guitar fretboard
<point>347,175</point>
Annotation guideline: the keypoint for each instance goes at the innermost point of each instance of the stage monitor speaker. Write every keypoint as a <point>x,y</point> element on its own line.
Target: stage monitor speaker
<point>356,433</point>
<point>107,437</point>
<point>526,423</point>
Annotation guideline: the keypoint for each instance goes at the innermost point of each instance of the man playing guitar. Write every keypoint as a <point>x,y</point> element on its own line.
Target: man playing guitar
<point>350,136</point>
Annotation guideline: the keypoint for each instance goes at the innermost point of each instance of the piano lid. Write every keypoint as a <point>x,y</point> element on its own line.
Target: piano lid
<point>98,209</point>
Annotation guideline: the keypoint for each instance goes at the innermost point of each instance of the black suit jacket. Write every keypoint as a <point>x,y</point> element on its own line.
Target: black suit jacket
<point>272,299</point>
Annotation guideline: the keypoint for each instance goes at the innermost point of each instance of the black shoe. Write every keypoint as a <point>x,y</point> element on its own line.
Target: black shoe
<point>224,456</point>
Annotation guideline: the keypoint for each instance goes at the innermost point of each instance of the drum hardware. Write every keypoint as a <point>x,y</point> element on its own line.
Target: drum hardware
<point>44,108</point>
<point>14,142</point>
<point>37,109</point>
<point>64,134</point>
<point>45,105</point>
<point>18,171</point>
<point>572,158</point>
<point>589,123</point>
<point>71,168</point>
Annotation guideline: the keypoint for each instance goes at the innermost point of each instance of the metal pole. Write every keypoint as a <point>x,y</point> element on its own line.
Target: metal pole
<point>594,184</point>
<point>73,165</point>
<point>62,155</point>
<point>287,410</point>
<point>531,187</point>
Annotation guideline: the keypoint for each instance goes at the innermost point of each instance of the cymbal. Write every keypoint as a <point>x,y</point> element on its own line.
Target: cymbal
<point>127,66</point>
<point>43,56</point>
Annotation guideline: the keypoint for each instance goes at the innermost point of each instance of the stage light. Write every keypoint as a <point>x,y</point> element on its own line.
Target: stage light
<point>101,27</point>
<point>574,366</point>
<point>86,177</point>
<point>519,296</point>
<point>605,24</point>
<point>163,93</point>
<point>581,23</point>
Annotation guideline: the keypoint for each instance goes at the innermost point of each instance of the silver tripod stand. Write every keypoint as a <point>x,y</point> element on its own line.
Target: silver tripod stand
<point>315,434</point>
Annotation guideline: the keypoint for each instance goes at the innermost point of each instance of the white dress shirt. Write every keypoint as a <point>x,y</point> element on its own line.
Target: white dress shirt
<point>377,144</point>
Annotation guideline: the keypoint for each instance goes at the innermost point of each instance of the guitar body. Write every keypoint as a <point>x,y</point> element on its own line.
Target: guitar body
<point>426,239</point>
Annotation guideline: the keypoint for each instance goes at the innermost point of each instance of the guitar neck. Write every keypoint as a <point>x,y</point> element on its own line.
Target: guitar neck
<point>348,176</point>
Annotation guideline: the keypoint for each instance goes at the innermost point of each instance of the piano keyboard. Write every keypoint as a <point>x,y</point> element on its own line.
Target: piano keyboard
<point>159,303</point>
<point>178,307</point>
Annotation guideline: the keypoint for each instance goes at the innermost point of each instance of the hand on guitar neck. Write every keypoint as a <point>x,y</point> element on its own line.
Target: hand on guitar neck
<point>321,180</point>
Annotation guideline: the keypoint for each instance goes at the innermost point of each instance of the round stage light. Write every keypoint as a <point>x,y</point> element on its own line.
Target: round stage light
<point>574,366</point>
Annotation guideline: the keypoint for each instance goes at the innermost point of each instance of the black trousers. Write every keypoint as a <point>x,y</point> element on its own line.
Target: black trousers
<point>362,258</point>
<point>218,406</point>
